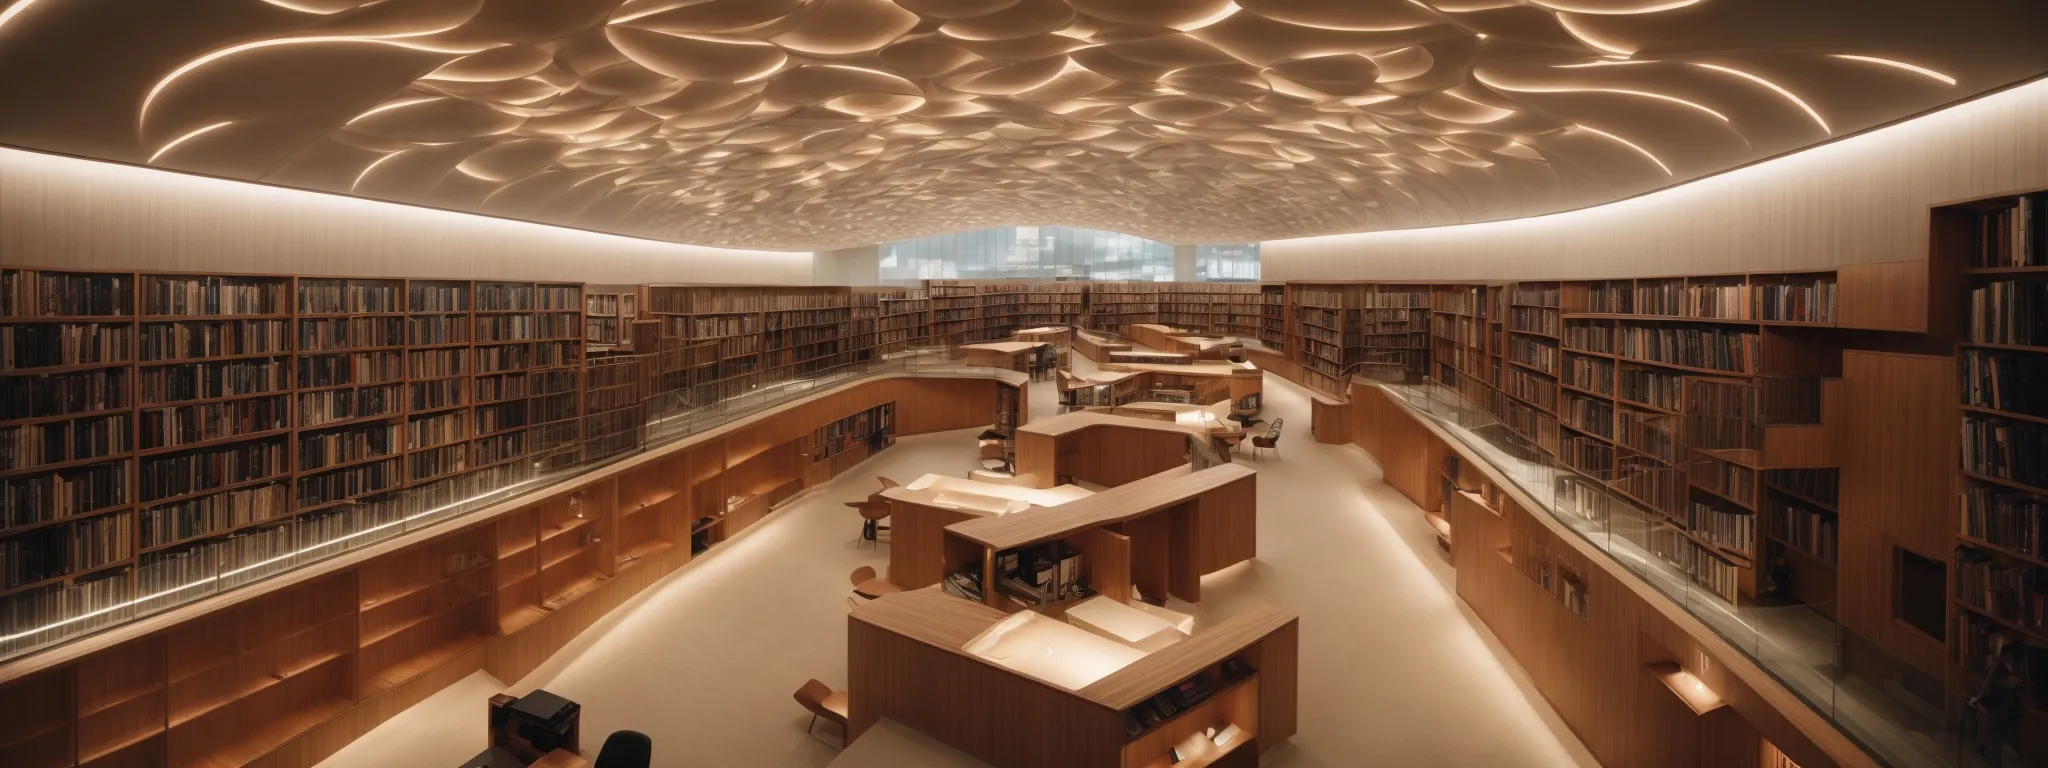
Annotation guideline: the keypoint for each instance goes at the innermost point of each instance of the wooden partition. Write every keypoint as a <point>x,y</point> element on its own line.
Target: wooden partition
<point>906,660</point>
<point>285,672</point>
<point>1098,348</point>
<point>1094,447</point>
<point>1590,649</point>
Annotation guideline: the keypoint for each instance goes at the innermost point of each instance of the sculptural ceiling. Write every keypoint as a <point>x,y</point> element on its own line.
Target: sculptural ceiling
<point>815,124</point>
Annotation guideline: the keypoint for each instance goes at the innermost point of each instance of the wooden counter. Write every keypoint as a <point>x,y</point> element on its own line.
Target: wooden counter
<point>1007,355</point>
<point>1097,447</point>
<point>1159,535</point>
<point>907,660</point>
<point>1098,348</point>
<point>918,519</point>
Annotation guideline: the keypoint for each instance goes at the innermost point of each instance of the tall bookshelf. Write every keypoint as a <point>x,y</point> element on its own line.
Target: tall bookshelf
<point>1999,246</point>
<point>1273,316</point>
<point>1382,328</point>
<point>1220,309</point>
<point>904,322</point>
<point>1115,307</point>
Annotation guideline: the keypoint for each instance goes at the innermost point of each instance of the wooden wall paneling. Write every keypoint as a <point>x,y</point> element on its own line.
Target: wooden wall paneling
<point>518,570</point>
<point>1329,420</point>
<point>1897,489</point>
<point>1151,554</point>
<point>984,711</point>
<point>1226,525</point>
<point>1890,295</point>
<point>917,542</point>
<point>1112,455</point>
<point>1106,558</point>
<point>1036,457</point>
<point>1184,573</point>
<point>40,711</point>
<point>1278,660</point>
<point>290,665</point>
<point>121,708</point>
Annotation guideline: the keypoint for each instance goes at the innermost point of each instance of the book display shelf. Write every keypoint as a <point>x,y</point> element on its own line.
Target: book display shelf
<point>608,316</point>
<point>1215,309</point>
<point>905,321</point>
<point>1273,323</point>
<point>741,337</point>
<point>846,442</point>
<point>1115,307</point>
<point>1382,329</point>
<point>2000,595</point>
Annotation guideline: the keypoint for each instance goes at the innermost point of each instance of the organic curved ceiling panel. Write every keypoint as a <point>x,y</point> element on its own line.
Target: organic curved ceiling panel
<point>812,124</point>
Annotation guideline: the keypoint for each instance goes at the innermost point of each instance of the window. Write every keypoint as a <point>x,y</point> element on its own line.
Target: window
<point>1027,252</point>
<point>1921,593</point>
<point>1235,262</point>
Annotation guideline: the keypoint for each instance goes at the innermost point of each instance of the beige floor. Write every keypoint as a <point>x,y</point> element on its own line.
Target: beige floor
<point>1395,672</point>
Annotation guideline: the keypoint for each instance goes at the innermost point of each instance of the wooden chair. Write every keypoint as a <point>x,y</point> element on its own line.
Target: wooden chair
<point>1269,440</point>
<point>887,483</point>
<point>871,511</point>
<point>866,584</point>
<point>823,702</point>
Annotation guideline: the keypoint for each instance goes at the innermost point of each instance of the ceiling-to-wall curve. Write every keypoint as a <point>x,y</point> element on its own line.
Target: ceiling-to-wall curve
<point>817,124</point>
<point>1861,200</point>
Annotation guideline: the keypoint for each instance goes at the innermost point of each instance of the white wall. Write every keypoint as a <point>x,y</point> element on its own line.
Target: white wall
<point>65,212</point>
<point>861,265</point>
<point>1860,200</point>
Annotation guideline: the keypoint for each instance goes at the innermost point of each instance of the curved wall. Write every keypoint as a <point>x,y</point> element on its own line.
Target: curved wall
<point>61,211</point>
<point>1860,200</point>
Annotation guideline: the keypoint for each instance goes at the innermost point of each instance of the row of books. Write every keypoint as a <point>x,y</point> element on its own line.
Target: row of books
<point>1660,487</point>
<point>524,327</point>
<point>2005,381</point>
<point>1650,434</point>
<point>1041,574</point>
<point>1592,374</point>
<point>1731,530</point>
<point>324,296</point>
<point>437,297</point>
<point>1809,530</point>
<point>192,518</point>
<point>552,408</point>
<point>1588,415</point>
<point>163,342</point>
<point>352,443</point>
<point>98,541</point>
<point>1586,454</point>
<point>334,334</point>
<point>38,345</point>
<point>435,395</point>
<point>26,397</point>
<point>1529,295</point>
<point>1591,338</point>
<point>192,296</point>
<point>2010,519</point>
<point>186,424</point>
<point>353,368</point>
<point>332,405</point>
<point>436,363</point>
<point>1805,302</point>
<point>1534,320</point>
<point>167,384</point>
<point>1166,704</point>
<point>558,297</point>
<point>1656,389</point>
<point>440,429</point>
<point>503,297</point>
<point>504,358</point>
<point>87,603</point>
<point>2009,312</point>
<point>34,445</point>
<point>437,462</point>
<point>498,418</point>
<point>501,387</point>
<point>1530,387</point>
<point>37,293</point>
<point>2012,237</point>
<point>2017,593</point>
<point>1821,485</point>
<point>161,477</point>
<point>1718,349</point>
<point>431,330</point>
<point>1714,574</point>
<point>1660,298</point>
<point>80,490</point>
<point>1534,353</point>
<point>1732,481</point>
<point>496,448</point>
<point>2014,450</point>
<point>686,301</point>
<point>1608,298</point>
<point>339,484</point>
<point>840,435</point>
<point>34,556</point>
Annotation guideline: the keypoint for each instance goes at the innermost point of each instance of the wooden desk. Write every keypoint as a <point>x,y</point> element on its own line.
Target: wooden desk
<point>919,514</point>
<point>908,660</point>
<point>1102,448</point>
<point>1155,335</point>
<point>1098,348</point>
<point>560,758</point>
<point>1159,535</point>
<point>1057,336</point>
<point>1007,355</point>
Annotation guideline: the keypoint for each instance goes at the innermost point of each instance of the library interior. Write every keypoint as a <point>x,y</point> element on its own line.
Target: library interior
<point>1024,383</point>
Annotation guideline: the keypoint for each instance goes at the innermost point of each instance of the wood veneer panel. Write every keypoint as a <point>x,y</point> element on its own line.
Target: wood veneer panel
<point>1107,557</point>
<point>1115,455</point>
<point>1227,525</point>
<point>917,542</point>
<point>1330,421</point>
<point>1890,295</point>
<point>1036,457</point>
<point>1111,506</point>
<point>1151,554</point>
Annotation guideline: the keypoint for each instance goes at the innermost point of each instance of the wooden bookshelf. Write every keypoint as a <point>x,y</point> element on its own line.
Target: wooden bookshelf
<point>1115,307</point>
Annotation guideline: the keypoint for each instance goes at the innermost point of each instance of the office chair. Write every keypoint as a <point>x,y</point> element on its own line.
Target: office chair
<point>625,749</point>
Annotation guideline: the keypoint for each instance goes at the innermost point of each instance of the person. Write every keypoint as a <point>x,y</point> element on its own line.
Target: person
<point>1778,582</point>
<point>1996,707</point>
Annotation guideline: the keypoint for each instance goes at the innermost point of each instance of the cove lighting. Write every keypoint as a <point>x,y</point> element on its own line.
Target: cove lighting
<point>1915,69</point>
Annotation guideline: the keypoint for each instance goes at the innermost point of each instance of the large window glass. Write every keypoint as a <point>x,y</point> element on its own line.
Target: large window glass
<point>1026,252</point>
<point>1234,262</point>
